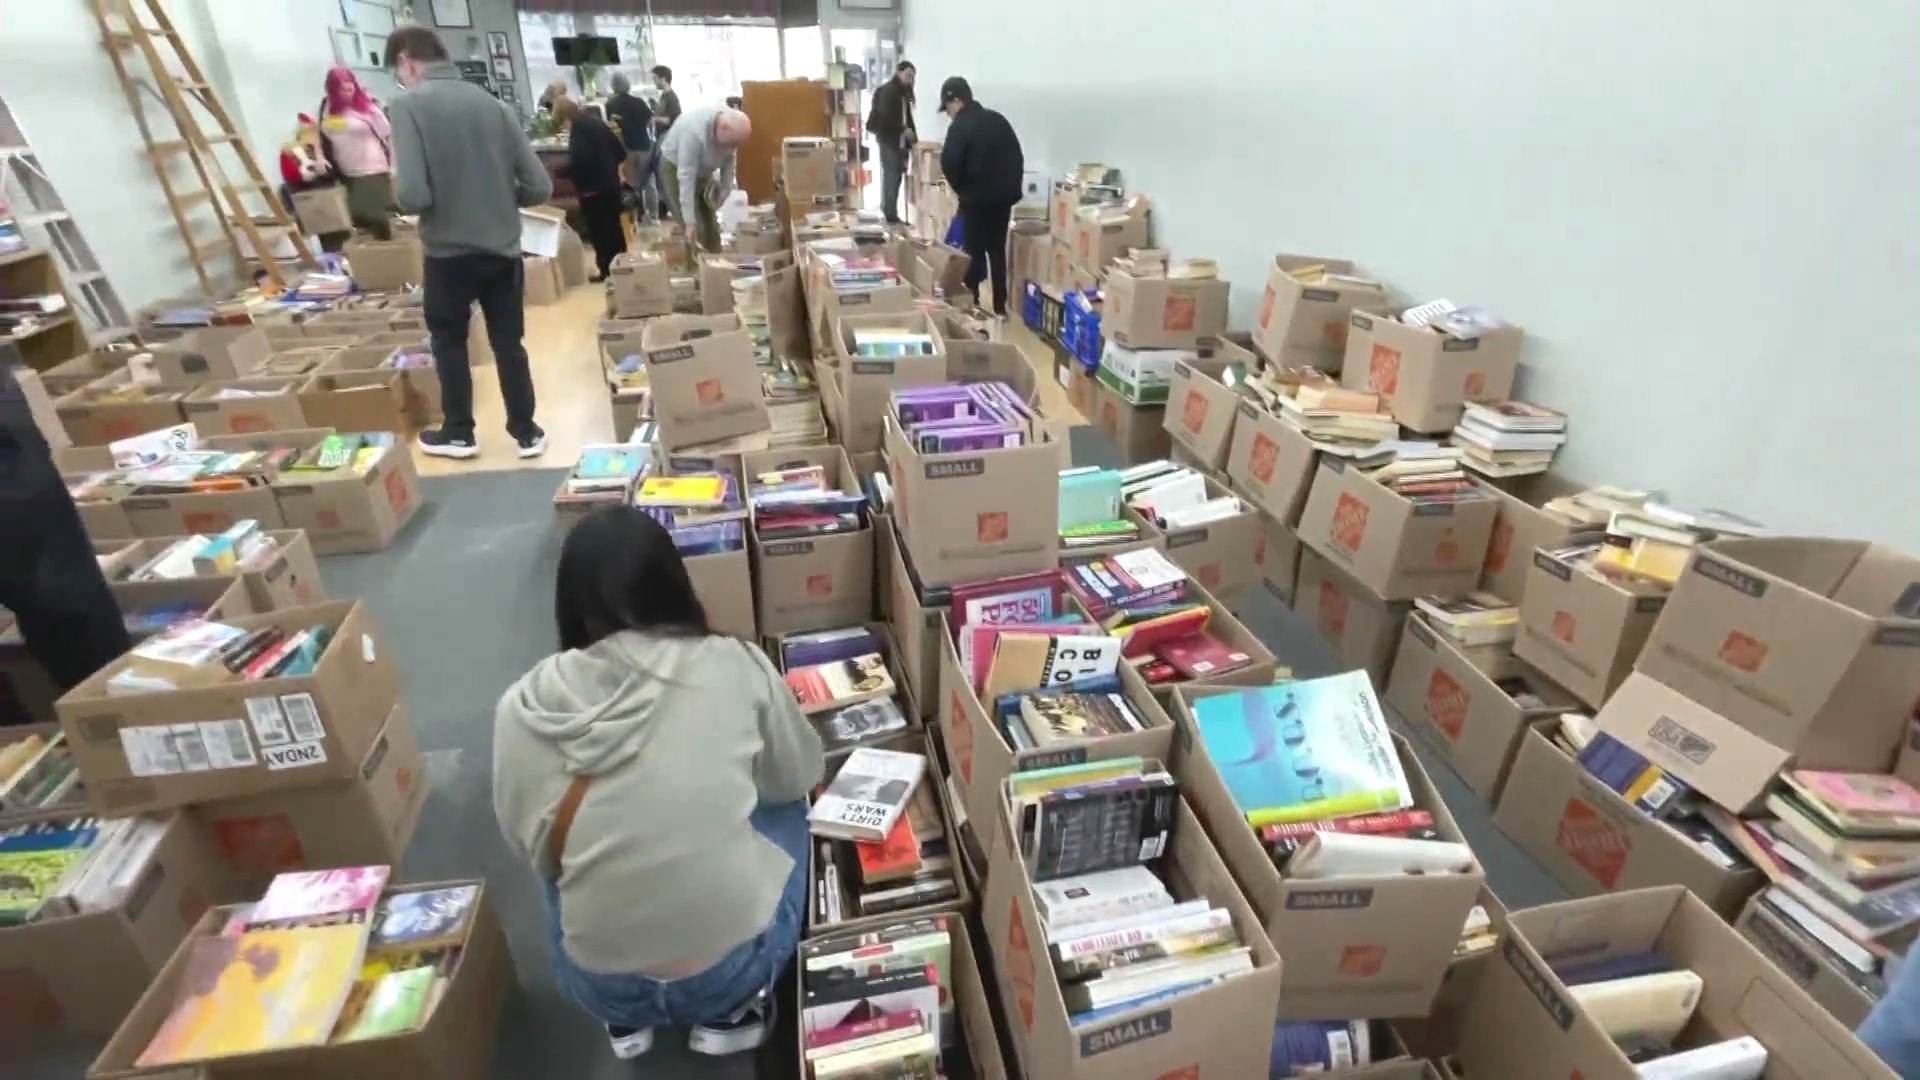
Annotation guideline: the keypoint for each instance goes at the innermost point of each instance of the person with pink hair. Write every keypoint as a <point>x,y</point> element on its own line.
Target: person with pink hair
<point>357,140</point>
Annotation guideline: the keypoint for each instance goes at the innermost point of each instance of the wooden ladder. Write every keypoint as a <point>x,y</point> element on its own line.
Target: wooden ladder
<point>180,94</point>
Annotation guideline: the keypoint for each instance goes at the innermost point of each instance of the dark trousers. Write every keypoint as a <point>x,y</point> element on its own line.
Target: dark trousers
<point>48,576</point>
<point>983,233</point>
<point>454,284</point>
<point>893,164</point>
<point>601,213</point>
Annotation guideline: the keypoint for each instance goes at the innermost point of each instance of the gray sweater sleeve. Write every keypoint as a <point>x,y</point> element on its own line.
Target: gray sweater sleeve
<point>412,186</point>
<point>534,185</point>
<point>791,762</point>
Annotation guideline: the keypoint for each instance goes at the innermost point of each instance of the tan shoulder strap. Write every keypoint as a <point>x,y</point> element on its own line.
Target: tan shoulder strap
<point>563,813</point>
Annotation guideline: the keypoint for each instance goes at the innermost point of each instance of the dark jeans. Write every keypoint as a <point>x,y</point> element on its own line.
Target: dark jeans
<point>601,213</point>
<point>983,233</point>
<point>454,283</point>
<point>48,576</point>
<point>893,163</point>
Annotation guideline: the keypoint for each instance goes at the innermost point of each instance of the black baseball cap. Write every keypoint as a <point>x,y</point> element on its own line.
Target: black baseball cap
<point>955,88</point>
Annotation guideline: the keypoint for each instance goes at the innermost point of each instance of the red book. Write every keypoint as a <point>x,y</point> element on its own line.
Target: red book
<point>874,1026</point>
<point>1143,637</point>
<point>897,856</point>
<point>1047,579</point>
<point>1198,656</point>
<point>1387,821</point>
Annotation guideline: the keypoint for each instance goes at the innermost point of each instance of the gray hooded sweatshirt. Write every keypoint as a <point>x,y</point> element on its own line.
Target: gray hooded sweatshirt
<point>683,737</point>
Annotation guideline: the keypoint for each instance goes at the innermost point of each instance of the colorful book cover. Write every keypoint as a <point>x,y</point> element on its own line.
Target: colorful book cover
<point>310,894</point>
<point>1859,794</point>
<point>268,989</point>
<point>395,1003</point>
<point>430,916</point>
<point>709,490</point>
<point>1304,750</point>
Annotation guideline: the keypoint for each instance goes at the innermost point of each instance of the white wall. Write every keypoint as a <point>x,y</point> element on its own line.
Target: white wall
<point>1703,213</point>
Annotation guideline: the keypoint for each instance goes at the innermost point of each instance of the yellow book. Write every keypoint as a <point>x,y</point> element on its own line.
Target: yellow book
<point>265,989</point>
<point>697,489</point>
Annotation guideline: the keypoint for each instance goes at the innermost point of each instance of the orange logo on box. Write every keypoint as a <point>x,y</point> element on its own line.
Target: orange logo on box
<point>1743,652</point>
<point>820,585</point>
<point>1383,369</point>
<point>328,518</point>
<point>1020,964</point>
<point>1593,842</point>
<point>1184,1072</point>
<point>708,392</point>
<point>1179,313</point>
<point>255,844</point>
<point>403,779</point>
<point>990,527</point>
<point>960,736</point>
<point>1564,626</point>
<point>1262,458</point>
<point>206,521</point>
<point>1266,305</point>
<point>115,430</point>
<point>1447,703</point>
<point>397,493</point>
<point>248,423</point>
<point>1446,552</point>
<point>1209,575</point>
<point>1194,412</point>
<point>1362,960</point>
<point>1349,527</point>
<point>1332,611</point>
<point>1476,384</point>
<point>1086,245</point>
<point>1497,545</point>
<point>27,1006</point>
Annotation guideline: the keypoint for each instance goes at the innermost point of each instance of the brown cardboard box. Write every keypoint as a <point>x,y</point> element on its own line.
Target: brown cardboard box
<point>1062,201</point>
<point>1027,251</point>
<point>993,361</point>
<point>79,976</point>
<point>1376,946</point>
<point>104,517</point>
<point>91,421</point>
<point>1272,462</point>
<point>864,383</point>
<point>455,1043</point>
<point>1081,387</point>
<point>40,405</point>
<point>386,265</point>
<point>1804,960</point>
<point>323,210</point>
<point>543,281</point>
<point>1060,270</point>
<point>217,597</point>
<point>1581,629</point>
<point>369,400</point>
<point>209,354</point>
<point>1427,377</point>
<point>419,386</point>
<point>289,579</point>
<point>1162,312</point>
<point>1526,1023</point>
<point>1521,527</point>
<point>1593,841</point>
<point>1097,242</point>
<point>1307,324</point>
<point>1223,1029</point>
<point>344,511</point>
<point>1201,410</point>
<point>363,820</point>
<point>1811,645</point>
<point>724,584</point>
<point>1140,430</point>
<point>640,285</point>
<point>69,375</point>
<point>1219,554</point>
<point>1716,757</point>
<point>704,381</point>
<point>1276,555</point>
<point>917,629</point>
<point>818,582</point>
<point>202,512</point>
<point>272,405</point>
<point>1361,627</point>
<point>341,707</point>
<point>717,274</point>
<point>976,515</point>
<point>938,270</point>
<point>574,264</point>
<point>807,168</point>
<point>1468,718</point>
<point>1396,547</point>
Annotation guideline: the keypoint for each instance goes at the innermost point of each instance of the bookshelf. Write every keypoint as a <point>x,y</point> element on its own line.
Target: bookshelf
<point>59,336</point>
<point>846,83</point>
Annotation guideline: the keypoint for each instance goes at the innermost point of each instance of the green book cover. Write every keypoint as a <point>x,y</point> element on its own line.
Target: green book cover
<point>394,1005</point>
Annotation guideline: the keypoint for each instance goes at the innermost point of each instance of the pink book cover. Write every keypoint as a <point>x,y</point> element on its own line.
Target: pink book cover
<point>1866,794</point>
<point>313,894</point>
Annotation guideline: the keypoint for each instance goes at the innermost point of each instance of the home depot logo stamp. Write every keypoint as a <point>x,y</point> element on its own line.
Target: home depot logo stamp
<point>1383,369</point>
<point>1020,968</point>
<point>1349,526</point>
<point>708,392</point>
<point>819,586</point>
<point>1743,652</point>
<point>1498,545</point>
<point>1564,625</point>
<point>1178,313</point>
<point>1363,961</point>
<point>1447,703</point>
<point>1262,458</point>
<point>1193,414</point>
<point>1595,843</point>
<point>1332,613</point>
<point>1267,300</point>
<point>990,527</point>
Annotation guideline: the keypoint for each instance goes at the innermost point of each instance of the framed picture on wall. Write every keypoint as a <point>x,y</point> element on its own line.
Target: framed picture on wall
<point>502,69</point>
<point>506,92</point>
<point>497,46</point>
<point>452,13</point>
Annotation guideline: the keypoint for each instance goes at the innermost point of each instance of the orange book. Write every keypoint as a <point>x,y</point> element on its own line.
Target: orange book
<point>896,857</point>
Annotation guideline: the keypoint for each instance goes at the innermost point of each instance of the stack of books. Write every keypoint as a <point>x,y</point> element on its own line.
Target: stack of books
<point>862,720</point>
<point>1455,321</point>
<point>73,865</point>
<point>1479,626</point>
<point>884,341</point>
<point>1591,508</point>
<point>241,548</point>
<point>1643,1002</point>
<point>1141,598</point>
<point>1087,709</point>
<point>944,418</point>
<point>604,474</point>
<point>412,952</point>
<point>1174,496</point>
<point>25,314</point>
<point>1319,274</point>
<point>1090,508</point>
<point>410,357</point>
<point>1100,816</point>
<point>858,271</point>
<point>1648,542</point>
<point>880,841</point>
<point>880,1002</point>
<point>37,772</point>
<point>1842,854</point>
<point>1668,801</point>
<point>796,503</point>
<point>702,510</point>
<point>196,653</point>
<point>1427,473</point>
<point>1509,438</point>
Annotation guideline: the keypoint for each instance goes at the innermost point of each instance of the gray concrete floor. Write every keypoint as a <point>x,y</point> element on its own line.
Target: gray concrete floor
<point>465,599</point>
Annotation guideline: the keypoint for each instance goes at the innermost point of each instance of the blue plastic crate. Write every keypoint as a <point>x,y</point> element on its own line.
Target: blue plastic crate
<point>1030,305</point>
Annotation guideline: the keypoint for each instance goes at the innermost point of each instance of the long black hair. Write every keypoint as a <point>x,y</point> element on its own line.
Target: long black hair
<point>619,570</point>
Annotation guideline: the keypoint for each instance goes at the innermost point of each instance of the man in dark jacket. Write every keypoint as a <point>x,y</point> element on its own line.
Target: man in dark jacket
<point>48,576</point>
<point>635,118</point>
<point>985,169</point>
<point>891,123</point>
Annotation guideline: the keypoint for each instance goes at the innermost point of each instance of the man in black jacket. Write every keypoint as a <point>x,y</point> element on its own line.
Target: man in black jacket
<point>635,117</point>
<point>985,169</point>
<point>892,125</point>
<point>48,576</point>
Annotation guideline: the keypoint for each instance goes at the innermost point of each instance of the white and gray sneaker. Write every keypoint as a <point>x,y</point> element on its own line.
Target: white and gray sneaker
<point>629,1043</point>
<point>746,1029</point>
<point>532,446</point>
<point>438,443</point>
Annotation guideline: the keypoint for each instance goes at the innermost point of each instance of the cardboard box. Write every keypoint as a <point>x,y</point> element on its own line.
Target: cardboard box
<point>543,281</point>
<point>218,598</point>
<point>705,384</point>
<point>1521,527</point>
<point>343,511</point>
<point>209,354</point>
<point>1220,554</point>
<point>724,584</point>
<point>1427,377</point>
<point>419,387</point>
<point>1145,376</point>
<point>104,518</point>
<point>863,384</point>
<point>323,210</point>
<point>1354,947</point>
<point>1062,201</point>
<point>1272,462</point>
<point>1805,961</point>
<point>937,270</point>
<point>202,512</point>
<point>640,285</point>
<point>1361,626</point>
<point>1583,630</point>
<point>91,421</point>
<point>271,405</point>
<point>1716,757</point>
<point>818,582</point>
<point>365,819</point>
<point>808,167</point>
<point>1097,242</point>
<point>1307,324</point>
<point>1081,388</point>
<point>1396,547</point>
<point>1593,841</point>
<point>1811,645</point>
<point>1467,717</point>
<point>289,579</point>
<point>992,361</point>
<point>976,515</point>
<point>1222,1029</point>
<point>80,976</point>
<point>308,728</point>
<point>1162,312</point>
<point>373,400</point>
<point>386,265</point>
<point>69,375</point>
<point>40,406</point>
<point>917,628</point>
<point>1276,555</point>
<point>1139,430</point>
<point>1526,1023</point>
<point>1060,270</point>
<point>574,264</point>
<point>456,1042</point>
<point>1201,409</point>
<point>1027,251</point>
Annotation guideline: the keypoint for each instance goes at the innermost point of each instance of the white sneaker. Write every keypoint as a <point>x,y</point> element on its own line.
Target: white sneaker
<point>632,1044</point>
<point>534,447</point>
<point>437,443</point>
<point>745,1030</point>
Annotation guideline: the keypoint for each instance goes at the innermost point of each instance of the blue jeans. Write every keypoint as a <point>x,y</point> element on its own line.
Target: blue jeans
<point>1892,1029</point>
<point>642,1001</point>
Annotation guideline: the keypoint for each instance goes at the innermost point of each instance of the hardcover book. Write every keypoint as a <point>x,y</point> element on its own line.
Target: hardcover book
<point>867,795</point>
<point>835,685</point>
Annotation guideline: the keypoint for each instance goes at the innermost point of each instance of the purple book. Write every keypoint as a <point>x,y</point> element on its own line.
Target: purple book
<point>827,646</point>
<point>982,437</point>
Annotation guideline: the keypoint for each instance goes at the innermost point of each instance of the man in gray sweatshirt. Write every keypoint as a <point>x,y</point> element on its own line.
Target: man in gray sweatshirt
<point>461,162</point>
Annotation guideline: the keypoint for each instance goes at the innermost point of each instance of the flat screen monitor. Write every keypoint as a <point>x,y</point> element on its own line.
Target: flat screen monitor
<point>585,49</point>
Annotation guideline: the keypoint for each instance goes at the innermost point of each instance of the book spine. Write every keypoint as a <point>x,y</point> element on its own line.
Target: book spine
<point>1074,948</point>
<point>1387,822</point>
<point>1087,967</point>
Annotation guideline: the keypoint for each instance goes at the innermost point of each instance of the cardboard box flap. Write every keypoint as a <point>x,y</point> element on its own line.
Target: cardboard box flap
<point>1717,757</point>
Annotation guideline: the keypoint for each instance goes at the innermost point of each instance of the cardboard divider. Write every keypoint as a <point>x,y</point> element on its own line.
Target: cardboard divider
<point>1222,1029</point>
<point>209,354</point>
<point>1711,754</point>
<point>1394,546</point>
<point>1583,630</point>
<point>1804,960</point>
<point>419,386</point>
<point>815,582</point>
<point>916,627</point>
<point>272,405</point>
<point>363,400</point>
<point>1272,462</point>
<point>1354,947</point>
<point>1361,627</point>
<point>1521,527</point>
<point>1201,410</point>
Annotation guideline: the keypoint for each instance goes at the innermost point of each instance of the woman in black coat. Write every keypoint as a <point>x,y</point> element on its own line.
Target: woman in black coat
<point>594,154</point>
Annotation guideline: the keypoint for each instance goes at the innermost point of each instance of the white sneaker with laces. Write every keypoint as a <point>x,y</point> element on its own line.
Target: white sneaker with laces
<point>745,1030</point>
<point>632,1044</point>
<point>534,447</point>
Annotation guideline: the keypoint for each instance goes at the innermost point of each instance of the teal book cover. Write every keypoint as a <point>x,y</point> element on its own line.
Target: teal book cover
<point>1088,495</point>
<point>1304,751</point>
